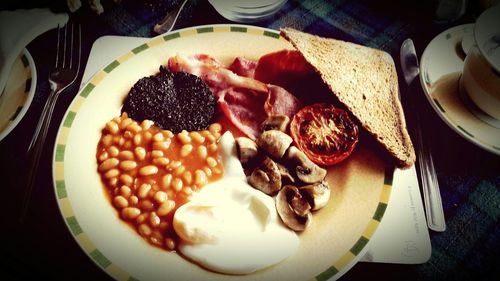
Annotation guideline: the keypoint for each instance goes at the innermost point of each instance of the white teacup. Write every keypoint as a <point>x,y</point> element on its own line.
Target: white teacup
<point>481,73</point>
<point>247,11</point>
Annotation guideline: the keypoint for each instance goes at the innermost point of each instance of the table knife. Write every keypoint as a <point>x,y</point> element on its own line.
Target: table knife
<point>430,186</point>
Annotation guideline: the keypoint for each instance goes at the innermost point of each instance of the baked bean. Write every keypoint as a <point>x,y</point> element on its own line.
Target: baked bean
<point>125,122</point>
<point>112,127</point>
<point>113,182</point>
<point>162,161</point>
<point>154,220</point>
<point>158,136</point>
<point>144,230</point>
<point>140,153</point>
<point>113,151</point>
<point>141,218</point>
<point>126,155</point>
<point>179,171</point>
<point>108,165</point>
<point>107,140</point>
<point>197,137</point>
<point>126,179</point>
<point>147,136</point>
<point>127,144</point>
<point>211,162</point>
<point>156,153</point>
<point>103,156</point>
<point>169,243</point>
<point>213,148</point>
<point>148,170</point>
<point>167,134</point>
<point>160,197</point>
<point>113,173</point>
<point>215,128</point>
<point>156,238</point>
<point>146,124</point>
<point>143,190</point>
<point>166,180</point>
<point>161,145</point>
<point>147,205</point>
<point>128,165</point>
<point>119,140</point>
<point>187,177</point>
<point>134,128</point>
<point>200,178</point>
<point>165,208</point>
<point>207,171</point>
<point>133,200</point>
<point>184,137</point>
<point>174,165</point>
<point>137,139</point>
<point>120,202</point>
<point>130,213</point>
<point>128,135</point>
<point>186,149</point>
<point>177,184</point>
<point>210,139</point>
<point>202,151</point>
<point>125,191</point>
<point>187,190</point>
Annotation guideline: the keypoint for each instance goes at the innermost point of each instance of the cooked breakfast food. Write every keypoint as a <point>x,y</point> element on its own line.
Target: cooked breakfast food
<point>149,172</point>
<point>227,164</point>
<point>365,81</point>
<point>174,101</point>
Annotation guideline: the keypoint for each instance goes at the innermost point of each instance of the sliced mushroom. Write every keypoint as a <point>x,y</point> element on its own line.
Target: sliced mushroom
<point>274,142</point>
<point>317,194</point>
<point>247,149</point>
<point>276,122</point>
<point>266,177</point>
<point>293,209</point>
<point>305,169</point>
<point>286,176</point>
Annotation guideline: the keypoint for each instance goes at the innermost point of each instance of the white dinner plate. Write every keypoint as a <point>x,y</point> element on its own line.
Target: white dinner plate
<point>334,242</point>
<point>440,70</point>
<point>18,93</point>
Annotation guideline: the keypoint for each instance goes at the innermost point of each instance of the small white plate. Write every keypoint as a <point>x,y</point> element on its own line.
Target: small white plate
<point>440,70</point>
<point>18,93</point>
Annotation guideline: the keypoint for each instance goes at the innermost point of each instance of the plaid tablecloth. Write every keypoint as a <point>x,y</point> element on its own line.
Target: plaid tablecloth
<point>470,178</point>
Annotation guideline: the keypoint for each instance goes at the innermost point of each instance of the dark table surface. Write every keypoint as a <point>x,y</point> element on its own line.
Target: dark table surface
<point>469,177</point>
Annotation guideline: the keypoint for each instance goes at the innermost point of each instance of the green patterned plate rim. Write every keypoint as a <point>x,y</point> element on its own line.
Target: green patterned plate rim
<point>463,122</point>
<point>333,272</point>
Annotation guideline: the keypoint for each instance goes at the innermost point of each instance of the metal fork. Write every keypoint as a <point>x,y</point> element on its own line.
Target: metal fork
<point>62,76</point>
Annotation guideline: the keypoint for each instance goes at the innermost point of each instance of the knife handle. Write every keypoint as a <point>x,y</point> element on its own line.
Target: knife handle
<point>430,186</point>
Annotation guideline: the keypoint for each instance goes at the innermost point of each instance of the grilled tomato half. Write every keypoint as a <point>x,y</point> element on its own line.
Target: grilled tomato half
<point>326,134</point>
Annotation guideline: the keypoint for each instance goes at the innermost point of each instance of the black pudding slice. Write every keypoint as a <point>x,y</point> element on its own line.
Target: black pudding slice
<point>175,101</point>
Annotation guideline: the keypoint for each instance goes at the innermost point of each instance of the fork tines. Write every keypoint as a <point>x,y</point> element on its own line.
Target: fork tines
<point>68,56</point>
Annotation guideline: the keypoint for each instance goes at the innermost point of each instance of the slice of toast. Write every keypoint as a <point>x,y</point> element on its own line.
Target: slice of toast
<point>365,81</point>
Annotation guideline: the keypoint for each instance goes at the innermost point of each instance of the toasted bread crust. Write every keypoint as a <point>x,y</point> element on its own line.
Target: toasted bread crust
<point>365,81</point>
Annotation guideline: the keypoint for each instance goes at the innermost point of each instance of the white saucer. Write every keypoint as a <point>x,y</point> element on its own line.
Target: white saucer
<point>440,69</point>
<point>18,93</point>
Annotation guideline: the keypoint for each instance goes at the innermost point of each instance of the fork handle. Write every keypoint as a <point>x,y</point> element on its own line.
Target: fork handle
<point>35,148</point>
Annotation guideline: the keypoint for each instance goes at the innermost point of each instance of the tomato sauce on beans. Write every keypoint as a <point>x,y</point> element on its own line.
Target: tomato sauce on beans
<point>149,172</point>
